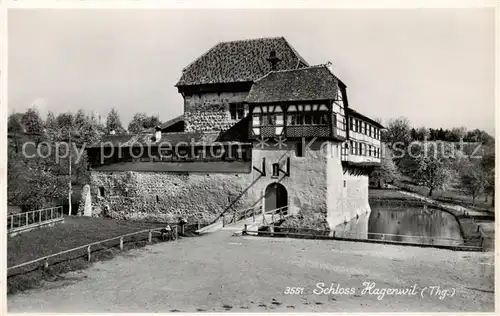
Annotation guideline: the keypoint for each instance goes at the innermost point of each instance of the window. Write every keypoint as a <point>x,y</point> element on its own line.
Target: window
<point>101,191</point>
<point>295,119</point>
<point>351,123</point>
<point>320,118</point>
<point>267,119</point>
<point>299,150</point>
<point>370,130</point>
<point>276,170</point>
<point>364,128</point>
<point>237,111</point>
<point>157,199</point>
<point>307,119</point>
<point>256,120</point>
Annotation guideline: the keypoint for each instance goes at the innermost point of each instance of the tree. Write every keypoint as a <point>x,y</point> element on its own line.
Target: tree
<point>80,120</point>
<point>433,170</point>
<point>489,186</point>
<point>413,134</point>
<point>113,122</point>
<point>51,127</point>
<point>423,133</point>
<point>65,122</point>
<point>32,122</point>
<point>91,131</point>
<point>387,171</point>
<point>34,182</point>
<point>14,123</point>
<point>15,128</point>
<point>136,124</point>
<point>398,131</point>
<point>472,178</point>
<point>141,122</point>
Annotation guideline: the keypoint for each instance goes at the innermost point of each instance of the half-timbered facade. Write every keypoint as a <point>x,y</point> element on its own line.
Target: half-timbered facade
<point>268,128</point>
<point>299,103</point>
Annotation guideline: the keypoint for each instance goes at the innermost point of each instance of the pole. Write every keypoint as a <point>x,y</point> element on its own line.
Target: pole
<point>69,191</point>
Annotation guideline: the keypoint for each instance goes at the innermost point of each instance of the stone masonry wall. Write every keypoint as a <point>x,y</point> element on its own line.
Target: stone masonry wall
<point>306,185</point>
<point>166,196</point>
<point>347,193</point>
<point>210,111</point>
<point>201,197</point>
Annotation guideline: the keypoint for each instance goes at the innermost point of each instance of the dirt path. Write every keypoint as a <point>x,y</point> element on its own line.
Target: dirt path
<point>217,272</point>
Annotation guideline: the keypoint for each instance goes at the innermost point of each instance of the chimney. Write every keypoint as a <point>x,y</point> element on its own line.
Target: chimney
<point>273,59</point>
<point>157,133</point>
<point>329,66</point>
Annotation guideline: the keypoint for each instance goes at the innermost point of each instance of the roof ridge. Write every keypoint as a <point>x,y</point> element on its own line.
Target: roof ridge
<point>299,57</point>
<point>296,69</point>
<point>251,39</point>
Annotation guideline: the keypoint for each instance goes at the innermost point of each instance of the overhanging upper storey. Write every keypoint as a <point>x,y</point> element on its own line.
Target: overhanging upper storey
<point>306,102</point>
<point>363,146</point>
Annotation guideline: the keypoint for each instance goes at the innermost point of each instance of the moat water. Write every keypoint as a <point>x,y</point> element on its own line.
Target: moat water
<point>407,224</point>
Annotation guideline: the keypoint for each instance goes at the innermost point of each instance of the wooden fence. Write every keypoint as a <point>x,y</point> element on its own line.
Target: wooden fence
<point>172,235</point>
<point>34,218</point>
<point>278,231</point>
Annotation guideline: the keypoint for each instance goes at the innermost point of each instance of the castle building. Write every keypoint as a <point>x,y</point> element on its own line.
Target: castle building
<point>260,127</point>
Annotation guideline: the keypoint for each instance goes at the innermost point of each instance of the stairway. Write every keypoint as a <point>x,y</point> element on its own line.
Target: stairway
<point>252,225</point>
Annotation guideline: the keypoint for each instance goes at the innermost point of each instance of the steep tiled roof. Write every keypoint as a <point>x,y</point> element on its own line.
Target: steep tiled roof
<point>240,61</point>
<point>167,124</point>
<point>173,121</point>
<point>311,83</point>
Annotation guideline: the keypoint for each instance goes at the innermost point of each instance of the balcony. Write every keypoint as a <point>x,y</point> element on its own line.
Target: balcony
<point>308,131</point>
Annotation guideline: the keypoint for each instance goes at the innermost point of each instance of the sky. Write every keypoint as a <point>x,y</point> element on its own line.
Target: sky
<point>434,66</point>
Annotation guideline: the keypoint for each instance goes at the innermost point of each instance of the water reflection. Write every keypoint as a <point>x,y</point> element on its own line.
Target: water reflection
<point>414,224</point>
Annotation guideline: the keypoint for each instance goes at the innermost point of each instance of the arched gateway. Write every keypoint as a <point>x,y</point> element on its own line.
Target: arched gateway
<point>276,197</point>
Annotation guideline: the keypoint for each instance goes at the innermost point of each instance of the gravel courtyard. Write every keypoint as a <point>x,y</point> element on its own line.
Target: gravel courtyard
<point>218,272</point>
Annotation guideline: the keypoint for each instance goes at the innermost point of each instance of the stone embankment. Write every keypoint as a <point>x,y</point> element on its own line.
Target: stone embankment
<point>472,229</point>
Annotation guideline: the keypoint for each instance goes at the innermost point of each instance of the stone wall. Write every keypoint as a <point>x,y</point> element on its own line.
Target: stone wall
<point>167,196</point>
<point>210,111</point>
<point>320,194</point>
<point>203,196</point>
<point>306,185</point>
<point>347,192</point>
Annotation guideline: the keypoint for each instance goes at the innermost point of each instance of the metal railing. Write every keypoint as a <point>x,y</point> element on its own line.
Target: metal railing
<point>173,235</point>
<point>253,212</point>
<point>390,237</point>
<point>240,215</point>
<point>368,237</point>
<point>34,217</point>
<point>277,213</point>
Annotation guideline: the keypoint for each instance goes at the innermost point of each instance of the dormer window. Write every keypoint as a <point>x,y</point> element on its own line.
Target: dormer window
<point>237,111</point>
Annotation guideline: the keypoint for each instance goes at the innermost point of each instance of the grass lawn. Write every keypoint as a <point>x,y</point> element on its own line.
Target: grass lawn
<point>74,232</point>
<point>450,195</point>
<point>389,194</point>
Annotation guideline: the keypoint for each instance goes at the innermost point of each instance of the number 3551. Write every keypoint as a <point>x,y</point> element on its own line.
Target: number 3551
<point>294,290</point>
